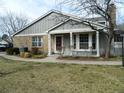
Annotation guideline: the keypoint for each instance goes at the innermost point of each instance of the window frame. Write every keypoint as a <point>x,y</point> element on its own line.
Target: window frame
<point>101,22</point>
<point>37,41</point>
<point>117,38</point>
<point>86,42</point>
<point>78,42</point>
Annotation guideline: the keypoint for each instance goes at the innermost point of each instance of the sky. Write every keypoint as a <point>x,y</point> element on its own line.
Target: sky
<point>30,8</point>
<point>35,8</point>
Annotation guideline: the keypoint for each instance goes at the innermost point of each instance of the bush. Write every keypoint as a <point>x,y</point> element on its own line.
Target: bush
<point>12,51</point>
<point>35,51</point>
<point>16,51</point>
<point>9,51</point>
<point>27,55</point>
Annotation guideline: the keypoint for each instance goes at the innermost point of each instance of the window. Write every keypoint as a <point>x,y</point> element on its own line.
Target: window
<point>102,22</point>
<point>74,41</point>
<point>83,41</point>
<point>37,41</point>
<point>117,38</point>
<point>94,41</point>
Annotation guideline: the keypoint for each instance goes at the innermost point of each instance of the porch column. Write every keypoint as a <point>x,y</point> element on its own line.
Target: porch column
<point>90,41</point>
<point>71,43</point>
<point>49,44</point>
<point>97,44</point>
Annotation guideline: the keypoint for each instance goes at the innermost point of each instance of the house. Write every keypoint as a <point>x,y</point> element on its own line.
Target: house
<point>57,32</point>
<point>3,45</point>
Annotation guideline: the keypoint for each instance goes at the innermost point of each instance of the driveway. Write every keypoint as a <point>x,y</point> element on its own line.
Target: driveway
<point>53,59</point>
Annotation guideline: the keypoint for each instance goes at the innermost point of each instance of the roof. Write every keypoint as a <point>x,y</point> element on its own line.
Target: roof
<point>59,12</point>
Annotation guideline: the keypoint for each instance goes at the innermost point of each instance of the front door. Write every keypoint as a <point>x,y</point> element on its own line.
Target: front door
<point>58,43</point>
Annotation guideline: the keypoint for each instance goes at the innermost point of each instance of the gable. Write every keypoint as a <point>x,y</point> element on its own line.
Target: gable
<point>71,24</point>
<point>42,25</point>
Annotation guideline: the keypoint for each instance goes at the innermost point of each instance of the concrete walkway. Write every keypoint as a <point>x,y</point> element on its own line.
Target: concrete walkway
<point>53,59</point>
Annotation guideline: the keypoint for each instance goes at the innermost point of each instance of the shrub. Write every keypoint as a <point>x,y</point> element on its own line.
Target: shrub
<point>9,51</point>
<point>27,55</point>
<point>35,51</point>
<point>12,51</point>
<point>16,51</point>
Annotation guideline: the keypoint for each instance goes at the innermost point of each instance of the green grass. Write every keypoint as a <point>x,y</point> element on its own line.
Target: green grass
<point>29,77</point>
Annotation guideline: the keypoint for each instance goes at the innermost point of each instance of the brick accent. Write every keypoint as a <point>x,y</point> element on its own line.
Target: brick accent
<point>26,41</point>
<point>22,41</point>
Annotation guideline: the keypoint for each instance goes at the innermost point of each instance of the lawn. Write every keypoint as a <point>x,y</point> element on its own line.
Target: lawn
<point>29,77</point>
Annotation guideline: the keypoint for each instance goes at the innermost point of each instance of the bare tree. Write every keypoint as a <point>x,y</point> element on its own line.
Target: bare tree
<point>11,23</point>
<point>103,8</point>
<point>6,38</point>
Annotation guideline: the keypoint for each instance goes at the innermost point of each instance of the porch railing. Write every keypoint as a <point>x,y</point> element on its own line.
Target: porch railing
<point>67,51</point>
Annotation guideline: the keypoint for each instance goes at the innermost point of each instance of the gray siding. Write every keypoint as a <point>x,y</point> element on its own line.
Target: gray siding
<point>96,19</point>
<point>116,48</point>
<point>115,51</point>
<point>66,43</point>
<point>44,24</point>
<point>71,25</point>
<point>102,42</point>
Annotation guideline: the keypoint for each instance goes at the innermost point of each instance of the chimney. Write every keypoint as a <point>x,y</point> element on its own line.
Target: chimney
<point>112,11</point>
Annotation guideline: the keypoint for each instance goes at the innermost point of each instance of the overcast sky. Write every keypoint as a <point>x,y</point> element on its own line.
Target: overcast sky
<point>30,8</point>
<point>35,8</point>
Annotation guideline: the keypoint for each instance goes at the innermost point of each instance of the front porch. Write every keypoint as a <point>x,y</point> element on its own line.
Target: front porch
<point>74,43</point>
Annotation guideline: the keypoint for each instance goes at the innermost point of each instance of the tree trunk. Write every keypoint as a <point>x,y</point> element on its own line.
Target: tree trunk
<point>108,47</point>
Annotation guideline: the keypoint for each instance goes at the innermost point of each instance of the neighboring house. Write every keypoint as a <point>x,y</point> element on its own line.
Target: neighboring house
<point>3,45</point>
<point>3,42</point>
<point>56,31</point>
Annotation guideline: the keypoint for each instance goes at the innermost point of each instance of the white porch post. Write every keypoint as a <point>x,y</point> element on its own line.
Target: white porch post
<point>71,43</point>
<point>97,44</point>
<point>90,41</point>
<point>49,44</point>
<point>77,41</point>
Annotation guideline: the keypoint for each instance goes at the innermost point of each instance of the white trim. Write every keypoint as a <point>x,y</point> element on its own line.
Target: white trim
<point>97,43</point>
<point>101,21</point>
<point>90,41</point>
<point>38,34</point>
<point>71,42</point>
<point>37,42</point>
<point>49,44</point>
<point>78,42</point>
<point>72,30</point>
